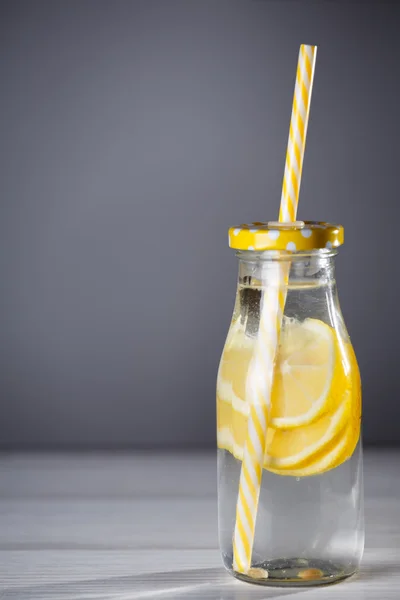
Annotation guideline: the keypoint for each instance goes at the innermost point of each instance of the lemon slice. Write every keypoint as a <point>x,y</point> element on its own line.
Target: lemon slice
<point>315,402</point>
<point>334,457</point>
<point>304,373</point>
<point>305,368</point>
<point>293,451</point>
<point>289,449</point>
<point>226,441</point>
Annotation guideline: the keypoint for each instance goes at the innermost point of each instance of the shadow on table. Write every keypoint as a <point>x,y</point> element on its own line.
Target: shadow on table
<point>195,584</point>
<point>205,584</point>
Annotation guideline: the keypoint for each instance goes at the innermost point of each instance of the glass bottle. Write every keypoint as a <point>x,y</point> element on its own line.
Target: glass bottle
<point>309,524</point>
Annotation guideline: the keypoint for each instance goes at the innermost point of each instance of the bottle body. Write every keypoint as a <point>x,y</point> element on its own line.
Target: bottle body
<point>309,522</point>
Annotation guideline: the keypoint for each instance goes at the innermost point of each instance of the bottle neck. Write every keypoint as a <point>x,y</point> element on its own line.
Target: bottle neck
<point>308,280</point>
<point>307,268</point>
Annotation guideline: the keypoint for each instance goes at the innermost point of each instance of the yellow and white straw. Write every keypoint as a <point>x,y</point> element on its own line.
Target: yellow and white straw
<point>260,381</point>
<point>272,305</point>
<point>297,133</point>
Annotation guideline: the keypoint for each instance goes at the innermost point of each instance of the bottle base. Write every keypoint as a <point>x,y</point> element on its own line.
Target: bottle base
<point>295,572</point>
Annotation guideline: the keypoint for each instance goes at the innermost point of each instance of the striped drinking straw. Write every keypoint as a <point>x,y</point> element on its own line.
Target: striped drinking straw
<point>271,314</point>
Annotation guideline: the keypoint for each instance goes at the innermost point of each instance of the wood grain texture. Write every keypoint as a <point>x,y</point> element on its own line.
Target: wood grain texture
<point>131,526</point>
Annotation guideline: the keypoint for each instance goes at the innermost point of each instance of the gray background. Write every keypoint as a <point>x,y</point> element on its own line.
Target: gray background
<point>132,135</point>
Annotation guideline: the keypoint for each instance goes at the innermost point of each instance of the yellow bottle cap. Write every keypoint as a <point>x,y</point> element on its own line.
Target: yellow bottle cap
<point>293,237</point>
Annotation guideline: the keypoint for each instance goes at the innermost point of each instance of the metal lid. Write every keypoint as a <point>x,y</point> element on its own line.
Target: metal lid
<point>293,237</point>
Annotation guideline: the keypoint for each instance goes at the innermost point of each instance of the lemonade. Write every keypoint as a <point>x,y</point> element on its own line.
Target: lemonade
<point>309,525</point>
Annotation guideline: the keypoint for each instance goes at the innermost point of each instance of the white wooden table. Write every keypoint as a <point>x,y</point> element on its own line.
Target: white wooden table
<point>131,526</point>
